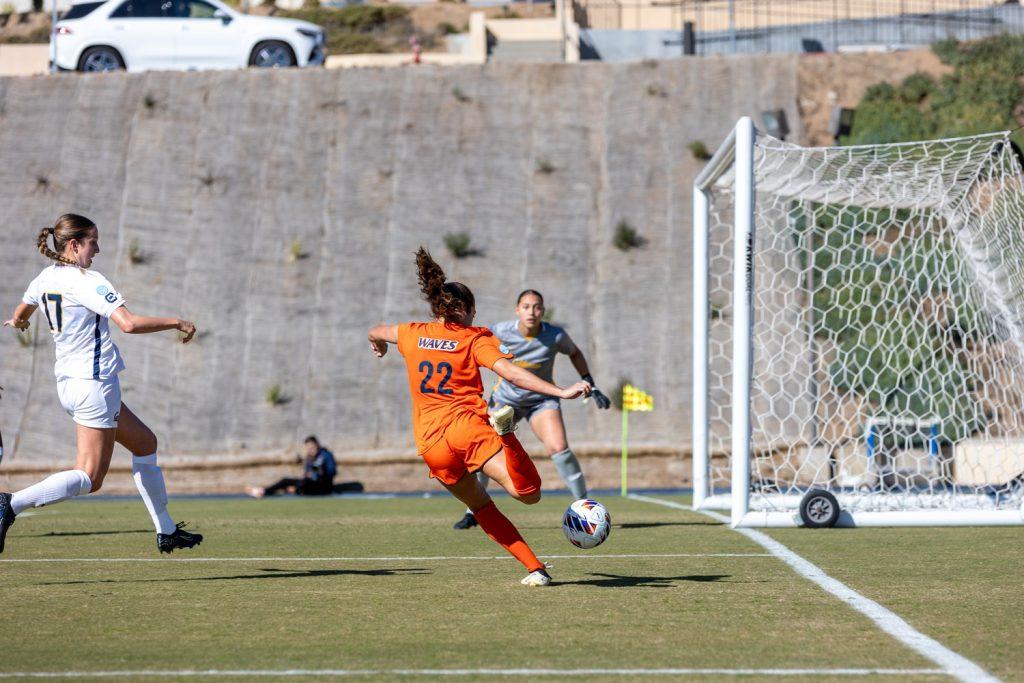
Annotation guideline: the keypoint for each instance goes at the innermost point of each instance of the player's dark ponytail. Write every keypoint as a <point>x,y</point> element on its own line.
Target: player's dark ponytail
<point>68,227</point>
<point>449,300</point>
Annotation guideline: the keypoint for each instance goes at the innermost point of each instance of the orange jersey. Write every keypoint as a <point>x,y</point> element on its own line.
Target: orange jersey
<point>443,362</point>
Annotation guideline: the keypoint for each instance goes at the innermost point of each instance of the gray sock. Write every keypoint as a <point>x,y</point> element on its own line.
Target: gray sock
<point>484,481</point>
<point>569,467</point>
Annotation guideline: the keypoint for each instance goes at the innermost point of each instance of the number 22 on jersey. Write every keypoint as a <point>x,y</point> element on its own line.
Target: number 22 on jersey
<point>444,369</point>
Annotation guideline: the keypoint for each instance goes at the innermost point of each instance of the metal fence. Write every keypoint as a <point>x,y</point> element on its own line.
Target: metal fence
<point>761,26</point>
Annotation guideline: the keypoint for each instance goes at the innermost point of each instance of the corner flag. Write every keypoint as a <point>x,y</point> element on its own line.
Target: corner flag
<point>636,400</point>
<point>633,400</point>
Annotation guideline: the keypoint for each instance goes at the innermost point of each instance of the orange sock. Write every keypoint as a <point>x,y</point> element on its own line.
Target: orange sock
<point>504,533</point>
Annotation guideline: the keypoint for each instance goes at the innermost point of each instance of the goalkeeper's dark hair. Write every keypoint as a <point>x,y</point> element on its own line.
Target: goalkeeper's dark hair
<point>452,301</point>
<point>519,299</point>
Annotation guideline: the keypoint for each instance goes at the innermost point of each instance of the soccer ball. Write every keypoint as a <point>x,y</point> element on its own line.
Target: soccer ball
<point>586,524</point>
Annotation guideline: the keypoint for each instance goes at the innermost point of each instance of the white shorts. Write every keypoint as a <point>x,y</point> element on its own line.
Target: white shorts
<point>91,402</point>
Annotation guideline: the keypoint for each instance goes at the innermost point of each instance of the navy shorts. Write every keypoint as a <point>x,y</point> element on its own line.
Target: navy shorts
<point>528,410</point>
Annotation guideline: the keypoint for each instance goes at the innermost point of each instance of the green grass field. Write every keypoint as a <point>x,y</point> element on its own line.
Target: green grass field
<point>397,592</point>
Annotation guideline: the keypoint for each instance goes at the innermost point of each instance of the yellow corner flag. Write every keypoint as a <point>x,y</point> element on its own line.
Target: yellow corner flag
<point>636,400</point>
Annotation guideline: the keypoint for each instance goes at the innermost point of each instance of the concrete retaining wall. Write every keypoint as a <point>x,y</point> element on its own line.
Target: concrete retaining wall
<point>213,176</point>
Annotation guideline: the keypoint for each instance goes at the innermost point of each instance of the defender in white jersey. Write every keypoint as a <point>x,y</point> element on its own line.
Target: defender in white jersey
<point>535,344</point>
<point>77,306</point>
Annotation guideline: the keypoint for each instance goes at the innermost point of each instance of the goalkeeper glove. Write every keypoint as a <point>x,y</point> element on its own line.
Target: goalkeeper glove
<point>600,399</point>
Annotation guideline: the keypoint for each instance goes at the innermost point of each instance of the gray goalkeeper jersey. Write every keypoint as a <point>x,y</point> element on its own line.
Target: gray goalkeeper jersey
<point>536,354</point>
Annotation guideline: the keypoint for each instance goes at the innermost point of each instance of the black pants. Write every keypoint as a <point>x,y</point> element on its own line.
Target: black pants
<point>303,487</point>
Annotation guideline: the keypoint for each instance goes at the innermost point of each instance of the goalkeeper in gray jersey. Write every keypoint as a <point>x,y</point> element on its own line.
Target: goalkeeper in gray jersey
<point>535,343</point>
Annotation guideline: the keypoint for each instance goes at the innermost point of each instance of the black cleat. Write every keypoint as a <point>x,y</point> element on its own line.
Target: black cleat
<point>6,517</point>
<point>468,521</point>
<point>166,543</point>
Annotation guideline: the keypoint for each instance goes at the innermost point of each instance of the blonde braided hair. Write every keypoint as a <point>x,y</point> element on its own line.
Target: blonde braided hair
<point>68,227</point>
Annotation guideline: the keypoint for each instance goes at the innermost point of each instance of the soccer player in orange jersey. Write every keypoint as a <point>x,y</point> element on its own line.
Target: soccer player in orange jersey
<point>449,415</point>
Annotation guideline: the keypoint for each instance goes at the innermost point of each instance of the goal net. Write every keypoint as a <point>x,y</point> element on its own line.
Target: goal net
<point>859,329</point>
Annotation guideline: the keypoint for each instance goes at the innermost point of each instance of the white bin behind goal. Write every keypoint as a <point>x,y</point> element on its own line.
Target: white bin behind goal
<point>859,329</point>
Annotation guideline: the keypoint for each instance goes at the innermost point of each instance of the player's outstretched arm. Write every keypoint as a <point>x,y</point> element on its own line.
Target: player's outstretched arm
<point>580,363</point>
<point>380,336</point>
<point>131,323</point>
<point>21,315</point>
<point>525,379</point>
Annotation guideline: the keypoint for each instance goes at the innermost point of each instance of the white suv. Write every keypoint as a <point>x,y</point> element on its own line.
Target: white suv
<point>180,34</point>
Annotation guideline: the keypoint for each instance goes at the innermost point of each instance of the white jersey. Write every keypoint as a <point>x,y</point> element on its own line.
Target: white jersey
<point>76,305</point>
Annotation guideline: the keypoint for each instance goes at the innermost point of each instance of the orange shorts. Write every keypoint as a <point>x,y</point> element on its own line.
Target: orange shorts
<point>468,442</point>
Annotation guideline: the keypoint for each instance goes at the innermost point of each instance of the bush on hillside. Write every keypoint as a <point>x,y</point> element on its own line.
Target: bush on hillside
<point>40,34</point>
<point>980,96</point>
<point>353,44</point>
<point>359,28</point>
<point>869,305</point>
<point>358,18</point>
<point>898,371</point>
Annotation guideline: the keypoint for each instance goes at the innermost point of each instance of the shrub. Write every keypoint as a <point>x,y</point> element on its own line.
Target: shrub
<point>699,150</point>
<point>356,29</point>
<point>980,96</point>
<point>916,87</point>
<point>946,50</point>
<point>890,356</point>
<point>40,34</point>
<point>275,395</point>
<point>545,167</point>
<point>135,254</point>
<point>655,90</point>
<point>353,44</point>
<point>626,237</point>
<point>359,18</point>
<point>868,306</point>
<point>879,92</point>
<point>295,252</point>
<point>458,244</point>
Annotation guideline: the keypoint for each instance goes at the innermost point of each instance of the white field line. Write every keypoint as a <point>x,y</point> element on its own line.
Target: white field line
<point>952,664</point>
<point>337,673</point>
<point>425,558</point>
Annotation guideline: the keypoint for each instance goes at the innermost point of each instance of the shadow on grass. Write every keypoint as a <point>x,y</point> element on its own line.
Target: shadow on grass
<point>87,533</point>
<point>710,522</point>
<point>618,581</point>
<point>630,525</point>
<point>267,574</point>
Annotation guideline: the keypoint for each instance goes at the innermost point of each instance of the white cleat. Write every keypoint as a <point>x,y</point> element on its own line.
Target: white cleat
<point>503,420</point>
<point>537,577</point>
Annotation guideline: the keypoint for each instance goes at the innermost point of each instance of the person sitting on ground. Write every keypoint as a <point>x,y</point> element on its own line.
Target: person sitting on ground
<point>317,479</point>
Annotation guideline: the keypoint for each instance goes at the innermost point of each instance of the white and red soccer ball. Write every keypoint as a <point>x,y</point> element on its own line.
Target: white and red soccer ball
<point>586,523</point>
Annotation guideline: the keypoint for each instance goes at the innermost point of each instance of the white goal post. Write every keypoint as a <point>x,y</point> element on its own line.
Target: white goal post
<point>858,332</point>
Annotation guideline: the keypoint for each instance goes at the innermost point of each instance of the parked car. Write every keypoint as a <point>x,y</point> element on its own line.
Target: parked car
<point>180,34</point>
